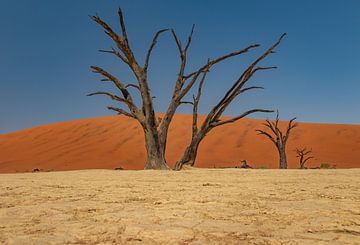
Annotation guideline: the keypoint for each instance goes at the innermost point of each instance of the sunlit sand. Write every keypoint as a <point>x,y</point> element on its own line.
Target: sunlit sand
<point>221,206</point>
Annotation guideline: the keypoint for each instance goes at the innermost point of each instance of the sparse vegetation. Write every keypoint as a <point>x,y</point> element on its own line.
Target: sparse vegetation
<point>327,166</point>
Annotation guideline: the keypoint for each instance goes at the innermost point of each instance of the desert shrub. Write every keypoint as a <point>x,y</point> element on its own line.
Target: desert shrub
<point>325,165</point>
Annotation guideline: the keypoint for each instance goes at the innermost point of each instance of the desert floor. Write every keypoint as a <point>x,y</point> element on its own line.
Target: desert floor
<point>198,206</point>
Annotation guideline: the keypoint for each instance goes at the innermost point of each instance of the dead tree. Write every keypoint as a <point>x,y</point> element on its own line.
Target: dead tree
<point>213,119</point>
<point>279,138</point>
<point>156,130</point>
<point>302,154</point>
<point>244,164</point>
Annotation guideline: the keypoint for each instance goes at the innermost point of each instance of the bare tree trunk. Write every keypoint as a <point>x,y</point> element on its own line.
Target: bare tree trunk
<point>282,158</point>
<point>155,158</point>
<point>189,156</point>
<point>302,163</point>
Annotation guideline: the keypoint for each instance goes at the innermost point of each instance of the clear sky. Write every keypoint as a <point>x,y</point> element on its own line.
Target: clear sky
<point>46,48</point>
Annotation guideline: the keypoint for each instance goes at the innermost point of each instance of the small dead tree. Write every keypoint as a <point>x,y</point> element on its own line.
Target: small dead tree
<point>278,137</point>
<point>303,155</point>
<point>244,164</point>
<point>156,130</point>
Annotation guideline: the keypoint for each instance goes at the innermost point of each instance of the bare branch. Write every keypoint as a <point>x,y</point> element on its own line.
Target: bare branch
<point>123,27</point>
<point>276,125</point>
<point>189,38</point>
<point>264,68</point>
<point>106,51</point>
<point>243,79</point>
<point>178,42</point>
<point>187,102</point>
<point>277,116</point>
<point>108,30</point>
<point>261,132</point>
<point>269,51</point>
<point>197,100</point>
<point>151,48</point>
<point>113,79</point>
<point>133,86</point>
<point>187,88</point>
<point>113,97</point>
<point>115,52</point>
<point>121,111</point>
<point>272,126</point>
<point>248,88</point>
<point>121,42</point>
<point>291,125</point>
<point>177,94</point>
<point>307,152</point>
<point>240,116</point>
<point>222,58</point>
<point>127,97</point>
<point>183,56</point>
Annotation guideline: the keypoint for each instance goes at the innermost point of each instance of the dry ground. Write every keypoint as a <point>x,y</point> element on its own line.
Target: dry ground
<point>221,206</point>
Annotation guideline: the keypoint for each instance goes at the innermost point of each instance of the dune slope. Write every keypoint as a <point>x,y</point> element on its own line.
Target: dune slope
<point>114,141</point>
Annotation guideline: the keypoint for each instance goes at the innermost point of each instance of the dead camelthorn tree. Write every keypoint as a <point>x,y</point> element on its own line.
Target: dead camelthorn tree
<point>303,155</point>
<point>213,119</point>
<point>156,130</point>
<point>278,137</point>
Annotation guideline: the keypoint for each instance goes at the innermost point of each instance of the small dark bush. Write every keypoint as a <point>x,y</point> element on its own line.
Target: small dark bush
<point>325,165</point>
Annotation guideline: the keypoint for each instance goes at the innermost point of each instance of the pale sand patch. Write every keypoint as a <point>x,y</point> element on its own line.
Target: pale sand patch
<point>229,206</point>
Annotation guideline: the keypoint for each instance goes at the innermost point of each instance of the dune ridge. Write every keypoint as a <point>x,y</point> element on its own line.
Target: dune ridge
<point>116,141</point>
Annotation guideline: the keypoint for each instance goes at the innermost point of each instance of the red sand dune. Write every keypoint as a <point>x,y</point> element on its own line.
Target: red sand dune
<point>114,141</point>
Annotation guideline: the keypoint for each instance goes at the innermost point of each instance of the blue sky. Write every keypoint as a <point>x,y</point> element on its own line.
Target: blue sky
<point>47,47</point>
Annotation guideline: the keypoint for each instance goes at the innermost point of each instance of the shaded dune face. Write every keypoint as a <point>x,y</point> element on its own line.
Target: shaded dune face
<point>117,141</point>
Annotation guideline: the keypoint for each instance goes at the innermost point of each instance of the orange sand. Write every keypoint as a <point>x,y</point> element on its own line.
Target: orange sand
<point>114,141</point>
